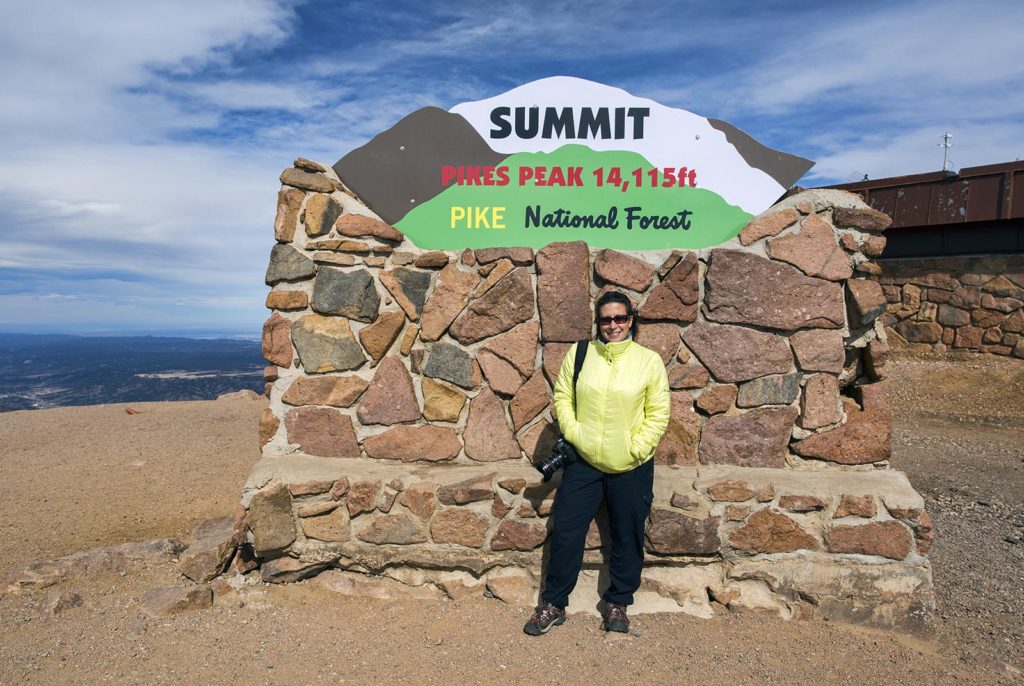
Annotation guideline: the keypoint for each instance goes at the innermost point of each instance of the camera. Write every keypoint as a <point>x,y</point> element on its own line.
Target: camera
<point>562,454</point>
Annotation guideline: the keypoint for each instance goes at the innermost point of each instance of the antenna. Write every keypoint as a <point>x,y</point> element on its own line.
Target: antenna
<point>946,145</point>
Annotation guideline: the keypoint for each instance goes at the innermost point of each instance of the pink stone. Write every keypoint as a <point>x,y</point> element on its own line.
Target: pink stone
<point>357,225</point>
<point>819,350</point>
<point>429,443</point>
<point>813,249</point>
<point>733,353</point>
<point>487,435</point>
<point>277,342</point>
<point>757,438</point>
<point>675,298</point>
<point>866,437</point>
<point>563,291</point>
<point>517,347</point>
<point>661,338</point>
<point>679,444</point>
<point>623,270</point>
<point>321,431</point>
<point>447,301</point>
<point>508,303</point>
<point>768,225</point>
<point>390,398</point>
<point>529,401</point>
<point>819,404</point>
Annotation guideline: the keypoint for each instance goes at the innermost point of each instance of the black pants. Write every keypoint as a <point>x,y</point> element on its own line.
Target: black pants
<point>628,496</point>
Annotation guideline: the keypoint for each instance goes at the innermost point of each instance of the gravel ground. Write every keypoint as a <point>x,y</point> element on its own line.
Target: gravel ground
<point>76,478</point>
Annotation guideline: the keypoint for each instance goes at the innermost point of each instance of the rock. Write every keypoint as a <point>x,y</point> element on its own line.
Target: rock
<point>768,225</point>
<point>952,316</point>
<point>308,165</point>
<point>288,264</point>
<point>459,526</point>
<point>337,391</point>
<point>968,337</point>
<point>514,534</point>
<point>317,509</point>
<point>390,398</point>
<point>856,506</point>
<point>334,259</point>
<point>530,400</point>
<point>730,491</point>
<point>332,527</point>
<point>270,520</point>
<point>819,350</point>
<point>508,303</point>
<point>59,602</point>
<point>819,405</point>
<point>675,298</point>
<point>769,531</point>
<point>287,300</point>
<point>164,602</point>
<point>861,218</point>
<point>326,344</point>
<point>733,353</point>
<point>349,294</point>
<point>501,376</point>
<point>318,183</point>
<point>874,246</point>
<point>756,438</point>
<point>538,440</point>
<point>288,570</point>
<point>987,319</point>
<point>395,529</point>
<point>679,444</point>
<point>450,363</point>
<point>499,508</point>
<point>310,487</point>
<point>468,491</point>
<point>321,431</point>
<point>420,499</point>
<point>359,226</point>
<point>919,332</point>
<point>277,341</point>
<point>409,339</point>
<point>661,338</point>
<point>813,250</point>
<point>775,389</point>
<point>289,201</point>
<point>513,486</point>
<point>717,399</point>
<point>409,288</point>
<point>447,301</point>
<point>378,337</point>
<point>875,356</point>
<point>269,424</point>
<point>487,435</point>
<point>865,438</point>
<point>552,355</point>
<point>518,347</point>
<point>362,496</point>
<point>513,588</point>
<point>674,533</point>
<point>210,551</point>
<point>683,501</point>
<point>867,301</point>
<point>623,270</point>
<point>886,539</point>
<point>493,273</point>
<point>321,212</point>
<point>747,289</point>
<point>563,292</point>
<point>518,256</point>
<point>1007,305</point>
<point>1014,323</point>
<point>428,443</point>
<point>441,403</point>
<point>434,259</point>
<point>801,503</point>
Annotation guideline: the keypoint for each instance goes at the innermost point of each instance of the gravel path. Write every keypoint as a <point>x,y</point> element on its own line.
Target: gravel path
<point>76,478</point>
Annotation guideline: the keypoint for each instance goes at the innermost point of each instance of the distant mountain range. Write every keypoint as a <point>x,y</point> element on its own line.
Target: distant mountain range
<point>48,370</point>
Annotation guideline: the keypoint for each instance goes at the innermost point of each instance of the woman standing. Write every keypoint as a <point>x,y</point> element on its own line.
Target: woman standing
<point>614,418</point>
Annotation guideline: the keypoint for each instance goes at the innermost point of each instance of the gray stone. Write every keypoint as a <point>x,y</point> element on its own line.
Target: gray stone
<point>270,519</point>
<point>349,294</point>
<point>326,344</point>
<point>776,389</point>
<point>409,287</point>
<point>450,363</point>
<point>288,264</point>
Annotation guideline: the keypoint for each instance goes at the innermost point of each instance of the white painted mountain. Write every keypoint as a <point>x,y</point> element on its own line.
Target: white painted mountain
<point>728,161</point>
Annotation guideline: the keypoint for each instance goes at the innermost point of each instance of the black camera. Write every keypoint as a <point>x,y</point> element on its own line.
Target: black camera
<point>562,454</point>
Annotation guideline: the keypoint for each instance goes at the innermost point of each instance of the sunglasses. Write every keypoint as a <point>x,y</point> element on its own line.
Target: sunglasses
<point>619,319</point>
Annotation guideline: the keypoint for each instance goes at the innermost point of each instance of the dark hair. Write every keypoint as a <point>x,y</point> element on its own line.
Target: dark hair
<point>615,297</point>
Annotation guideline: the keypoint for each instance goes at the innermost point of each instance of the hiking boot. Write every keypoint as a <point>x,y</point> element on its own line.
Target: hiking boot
<point>544,617</point>
<point>615,618</point>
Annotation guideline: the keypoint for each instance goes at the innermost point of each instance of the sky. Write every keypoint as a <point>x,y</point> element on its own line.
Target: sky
<point>142,142</point>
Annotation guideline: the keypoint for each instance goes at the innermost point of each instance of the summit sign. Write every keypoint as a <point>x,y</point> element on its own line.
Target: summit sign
<point>565,159</point>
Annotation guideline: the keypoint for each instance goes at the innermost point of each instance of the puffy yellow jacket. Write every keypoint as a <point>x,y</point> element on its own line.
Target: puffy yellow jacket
<point>622,404</point>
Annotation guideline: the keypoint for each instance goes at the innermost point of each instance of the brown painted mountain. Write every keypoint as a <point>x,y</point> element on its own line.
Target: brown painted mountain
<point>400,169</point>
<point>781,166</point>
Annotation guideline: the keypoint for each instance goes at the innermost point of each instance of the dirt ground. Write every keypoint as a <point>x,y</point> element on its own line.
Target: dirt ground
<point>78,478</point>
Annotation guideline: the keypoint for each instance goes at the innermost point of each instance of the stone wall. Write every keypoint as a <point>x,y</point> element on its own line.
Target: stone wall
<point>410,391</point>
<point>957,303</point>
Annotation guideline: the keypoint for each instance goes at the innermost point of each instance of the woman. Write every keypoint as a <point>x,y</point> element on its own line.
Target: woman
<point>614,418</point>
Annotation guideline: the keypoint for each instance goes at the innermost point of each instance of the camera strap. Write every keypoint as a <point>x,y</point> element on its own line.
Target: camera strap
<point>581,355</point>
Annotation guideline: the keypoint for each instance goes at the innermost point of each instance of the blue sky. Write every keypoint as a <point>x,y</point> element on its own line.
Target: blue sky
<point>142,141</point>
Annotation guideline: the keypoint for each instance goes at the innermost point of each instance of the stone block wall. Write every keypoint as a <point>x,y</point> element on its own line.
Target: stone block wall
<point>410,391</point>
<point>957,303</point>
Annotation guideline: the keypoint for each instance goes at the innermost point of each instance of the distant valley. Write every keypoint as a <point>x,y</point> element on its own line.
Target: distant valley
<point>39,371</point>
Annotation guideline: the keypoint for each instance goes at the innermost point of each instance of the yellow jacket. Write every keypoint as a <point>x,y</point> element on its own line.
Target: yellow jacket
<point>623,404</point>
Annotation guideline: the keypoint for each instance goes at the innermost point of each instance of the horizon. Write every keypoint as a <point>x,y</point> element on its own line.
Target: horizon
<point>143,143</point>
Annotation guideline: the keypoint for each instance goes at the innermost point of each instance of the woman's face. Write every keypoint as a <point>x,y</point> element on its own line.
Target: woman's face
<point>613,322</point>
